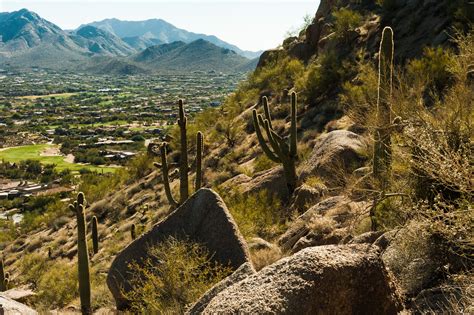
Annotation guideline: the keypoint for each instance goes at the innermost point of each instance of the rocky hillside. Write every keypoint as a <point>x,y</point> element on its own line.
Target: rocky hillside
<point>332,182</point>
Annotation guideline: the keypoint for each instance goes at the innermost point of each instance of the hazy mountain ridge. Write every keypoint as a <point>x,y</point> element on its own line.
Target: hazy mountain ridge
<point>27,40</point>
<point>158,29</point>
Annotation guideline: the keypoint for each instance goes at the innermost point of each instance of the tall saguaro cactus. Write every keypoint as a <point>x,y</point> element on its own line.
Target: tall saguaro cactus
<point>95,235</point>
<point>183,162</point>
<point>281,151</point>
<point>382,139</point>
<point>83,255</point>
<point>183,159</point>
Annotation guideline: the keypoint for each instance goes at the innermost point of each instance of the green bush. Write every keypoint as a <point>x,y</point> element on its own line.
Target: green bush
<point>184,273</point>
<point>277,75</point>
<point>256,215</point>
<point>345,20</point>
<point>432,68</point>
<point>57,286</point>
<point>322,75</point>
<point>262,163</point>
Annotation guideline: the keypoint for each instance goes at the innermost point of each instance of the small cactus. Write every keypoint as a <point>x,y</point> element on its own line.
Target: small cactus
<point>78,208</point>
<point>133,231</point>
<point>3,277</point>
<point>183,162</point>
<point>95,235</point>
<point>382,138</point>
<point>281,151</point>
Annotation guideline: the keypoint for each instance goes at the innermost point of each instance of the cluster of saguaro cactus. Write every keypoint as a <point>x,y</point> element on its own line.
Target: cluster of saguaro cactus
<point>183,162</point>
<point>382,138</point>
<point>281,151</point>
<point>95,235</point>
<point>4,277</point>
<point>82,252</point>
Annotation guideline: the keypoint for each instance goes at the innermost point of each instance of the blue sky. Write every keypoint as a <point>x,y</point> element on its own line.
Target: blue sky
<point>251,25</point>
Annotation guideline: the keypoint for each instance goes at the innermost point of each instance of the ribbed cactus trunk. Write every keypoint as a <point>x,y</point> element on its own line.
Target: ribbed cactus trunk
<point>95,235</point>
<point>183,160</point>
<point>3,279</point>
<point>199,149</point>
<point>83,254</point>
<point>133,232</point>
<point>382,138</point>
<point>279,151</point>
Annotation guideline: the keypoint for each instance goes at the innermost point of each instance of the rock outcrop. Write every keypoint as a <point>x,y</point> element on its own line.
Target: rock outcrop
<point>335,154</point>
<point>240,274</point>
<point>12,307</point>
<point>203,219</point>
<point>348,279</point>
<point>323,224</point>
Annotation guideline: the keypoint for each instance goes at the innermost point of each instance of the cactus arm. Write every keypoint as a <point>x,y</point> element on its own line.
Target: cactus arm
<point>293,132</point>
<point>166,182</point>
<point>261,140</point>
<point>271,135</point>
<point>199,149</point>
<point>266,111</point>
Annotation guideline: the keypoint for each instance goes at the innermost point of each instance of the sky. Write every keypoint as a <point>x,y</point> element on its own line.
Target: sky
<point>251,25</point>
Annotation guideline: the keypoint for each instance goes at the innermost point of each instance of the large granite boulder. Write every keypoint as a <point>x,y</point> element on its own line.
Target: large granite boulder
<point>327,222</point>
<point>335,154</point>
<point>12,307</point>
<point>272,181</point>
<point>348,279</point>
<point>240,274</point>
<point>203,218</point>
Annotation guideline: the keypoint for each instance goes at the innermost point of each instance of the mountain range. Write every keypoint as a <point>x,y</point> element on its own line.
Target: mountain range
<point>114,46</point>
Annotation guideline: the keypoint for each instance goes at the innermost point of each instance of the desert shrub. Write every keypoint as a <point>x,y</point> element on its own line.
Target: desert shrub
<point>31,267</point>
<point>262,163</point>
<point>8,231</point>
<point>433,69</point>
<point>184,273</point>
<point>257,214</point>
<point>96,187</point>
<point>345,20</point>
<point>57,286</point>
<point>264,257</point>
<point>359,96</point>
<point>322,76</point>
<point>138,167</point>
<point>46,212</point>
<point>277,75</point>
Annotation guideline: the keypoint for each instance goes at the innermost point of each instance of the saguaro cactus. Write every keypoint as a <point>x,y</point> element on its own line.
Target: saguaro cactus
<point>133,231</point>
<point>3,278</point>
<point>382,138</point>
<point>281,151</point>
<point>95,235</point>
<point>183,162</point>
<point>83,255</point>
